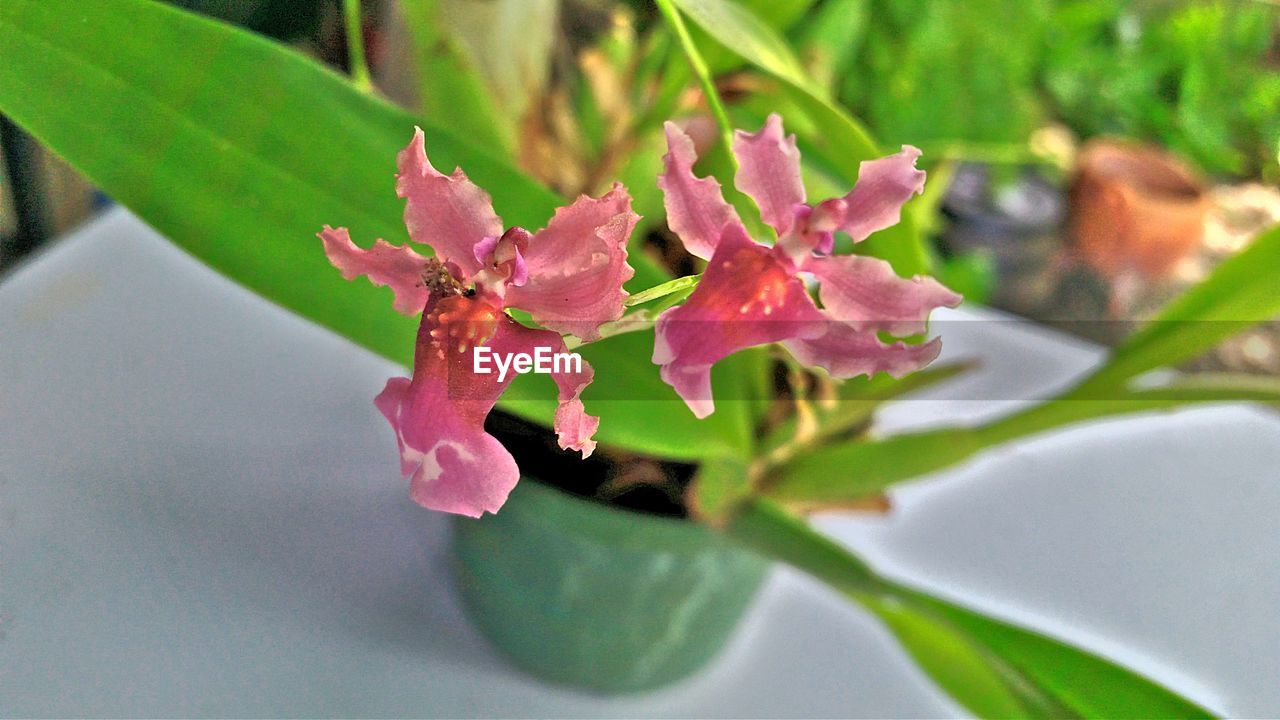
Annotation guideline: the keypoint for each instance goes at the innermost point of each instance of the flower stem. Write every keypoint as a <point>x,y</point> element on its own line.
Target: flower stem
<point>356,62</point>
<point>669,287</point>
<point>700,69</point>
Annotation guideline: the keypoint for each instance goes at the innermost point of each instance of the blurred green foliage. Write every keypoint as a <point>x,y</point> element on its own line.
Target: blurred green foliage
<point>195,126</point>
<point>1201,78</point>
<point>285,20</point>
<point>948,70</point>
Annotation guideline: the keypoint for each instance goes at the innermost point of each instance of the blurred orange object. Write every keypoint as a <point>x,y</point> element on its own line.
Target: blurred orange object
<point>1135,210</point>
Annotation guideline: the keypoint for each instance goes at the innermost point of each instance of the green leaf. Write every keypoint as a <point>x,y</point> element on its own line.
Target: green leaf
<point>510,44</point>
<point>1217,387</point>
<point>638,171</point>
<point>700,70</point>
<point>843,142</point>
<point>779,14</point>
<point>827,475</point>
<point>1083,684</point>
<point>357,62</point>
<point>957,664</point>
<point>452,90</point>
<point>643,413</point>
<point>831,37</point>
<point>993,668</point>
<point>857,400</point>
<point>846,472</point>
<point>718,488</point>
<point>239,149</point>
<point>1240,292</point>
<point>719,161</point>
<point>754,40</point>
<point>688,282</point>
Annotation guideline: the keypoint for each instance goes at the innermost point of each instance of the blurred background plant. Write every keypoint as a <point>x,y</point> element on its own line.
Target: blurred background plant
<point>1088,161</point>
<point>1008,98</point>
<point>997,92</point>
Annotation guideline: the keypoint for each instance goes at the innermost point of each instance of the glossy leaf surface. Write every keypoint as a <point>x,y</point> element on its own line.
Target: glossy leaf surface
<point>993,668</point>
<point>239,150</point>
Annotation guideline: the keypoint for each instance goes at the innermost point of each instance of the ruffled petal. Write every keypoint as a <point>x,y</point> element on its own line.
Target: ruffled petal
<point>447,212</point>
<point>769,171</point>
<point>883,186</point>
<point>696,209</point>
<point>866,293</point>
<point>576,266</point>
<point>747,296</point>
<point>574,427</point>
<point>813,230</point>
<point>454,466</point>
<point>846,352</point>
<point>394,266</point>
<point>438,416</point>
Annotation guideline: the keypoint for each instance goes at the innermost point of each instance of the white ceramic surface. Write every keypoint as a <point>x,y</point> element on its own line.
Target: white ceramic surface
<point>200,514</point>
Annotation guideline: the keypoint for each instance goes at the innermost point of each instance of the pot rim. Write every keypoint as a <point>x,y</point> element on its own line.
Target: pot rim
<point>552,509</point>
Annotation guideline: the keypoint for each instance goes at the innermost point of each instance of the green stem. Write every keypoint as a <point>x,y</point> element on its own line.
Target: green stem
<point>991,153</point>
<point>667,288</point>
<point>355,47</point>
<point>700,69</point>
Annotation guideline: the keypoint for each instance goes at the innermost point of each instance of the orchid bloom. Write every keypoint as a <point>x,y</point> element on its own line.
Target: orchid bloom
<point>568,276</point>
<point>752,294</point>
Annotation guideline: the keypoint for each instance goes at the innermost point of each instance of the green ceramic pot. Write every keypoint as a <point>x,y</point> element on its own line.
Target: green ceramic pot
<point>579,593</point>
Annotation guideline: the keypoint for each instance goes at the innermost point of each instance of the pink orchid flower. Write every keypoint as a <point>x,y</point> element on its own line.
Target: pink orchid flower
<point>752,294</point>
<point>568,276</point>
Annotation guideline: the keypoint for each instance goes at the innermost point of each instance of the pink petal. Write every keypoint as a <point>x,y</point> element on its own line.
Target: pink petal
<point>866,293</point>
<point>483,249</point>
<point>696,209</point>
<point>573,426</point>
<point>455,466</point>
<point>576,266</point>
<point>692,382</point>
<point>447,212</point>
<point>876,200</point>
<point>747,296</point>
<point>846,352</point>
<point>393,266</point>
<point>769,171</point>
<point>813,230</point>
<point>502,260</point>
<point>438,416</point>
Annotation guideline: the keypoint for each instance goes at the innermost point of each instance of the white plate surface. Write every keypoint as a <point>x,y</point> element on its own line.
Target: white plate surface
<point>200,514</point>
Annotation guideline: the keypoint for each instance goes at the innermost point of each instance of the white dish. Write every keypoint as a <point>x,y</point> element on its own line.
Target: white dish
<point>201,514</point>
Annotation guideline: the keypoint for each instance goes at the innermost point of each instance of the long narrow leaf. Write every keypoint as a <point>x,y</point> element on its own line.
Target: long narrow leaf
<point>1242,291</point>
<point>841,474</point>
<point>239,149</point>
<point>451,88</point>
<point>993,668</point>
